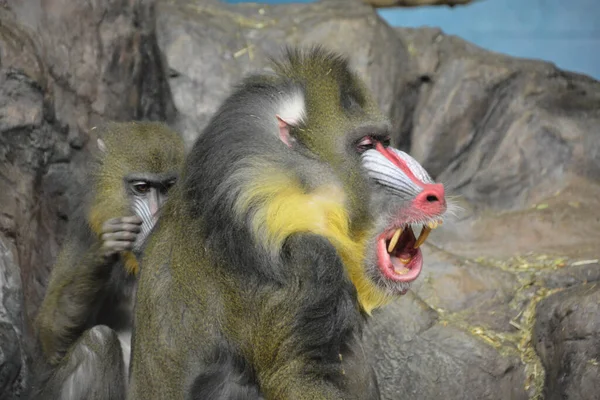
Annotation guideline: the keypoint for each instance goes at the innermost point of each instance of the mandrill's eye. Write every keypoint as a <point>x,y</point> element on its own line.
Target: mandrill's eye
<point>386,141</point>
<point>365,144</point>
<point>141,187</point>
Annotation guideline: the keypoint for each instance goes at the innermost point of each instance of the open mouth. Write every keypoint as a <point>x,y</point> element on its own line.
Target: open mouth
<point>398,253</point>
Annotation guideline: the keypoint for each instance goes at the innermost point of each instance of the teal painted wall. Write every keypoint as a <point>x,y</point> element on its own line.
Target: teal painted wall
<point>566,33</point>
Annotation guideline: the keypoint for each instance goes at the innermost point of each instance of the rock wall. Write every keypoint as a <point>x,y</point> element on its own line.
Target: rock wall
<point>210,46</point>
<point>64,67</point>
<point>516,141</point>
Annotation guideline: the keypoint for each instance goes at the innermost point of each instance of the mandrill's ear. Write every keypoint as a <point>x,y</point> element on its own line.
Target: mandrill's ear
<point>101,145</point>
<point>99,142</point>
<point>284,130</point>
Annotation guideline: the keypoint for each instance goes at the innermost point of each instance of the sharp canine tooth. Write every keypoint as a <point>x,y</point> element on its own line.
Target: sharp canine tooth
<point>394,240</point>
<point>422,236</point>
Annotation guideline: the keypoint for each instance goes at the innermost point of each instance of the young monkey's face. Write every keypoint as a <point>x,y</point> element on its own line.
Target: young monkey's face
<point>147,194</point>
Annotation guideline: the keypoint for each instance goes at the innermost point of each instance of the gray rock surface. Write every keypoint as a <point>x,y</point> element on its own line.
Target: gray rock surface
<point>567,338</point>
<point>516,141</point>
<point>64,68</point>
<point>13,371</point>
<point>510,129</point>
<point>584,271</point>
<point>210,46</point>
<point>419,355</point>
<point>457,285</point>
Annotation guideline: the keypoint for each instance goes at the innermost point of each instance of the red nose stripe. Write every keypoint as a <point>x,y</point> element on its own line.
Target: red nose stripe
<point>398,162</point>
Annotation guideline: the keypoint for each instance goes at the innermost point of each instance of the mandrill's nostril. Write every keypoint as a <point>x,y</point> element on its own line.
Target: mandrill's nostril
<point>432,199</point>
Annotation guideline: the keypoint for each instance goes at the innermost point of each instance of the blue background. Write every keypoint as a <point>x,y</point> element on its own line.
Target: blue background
<point>565,32</point>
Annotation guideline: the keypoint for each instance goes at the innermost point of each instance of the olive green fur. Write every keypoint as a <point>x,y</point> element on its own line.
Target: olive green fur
<point>326,80</point>
<point>191,298</point>
<point>82,279</point>
<point>156,149</point>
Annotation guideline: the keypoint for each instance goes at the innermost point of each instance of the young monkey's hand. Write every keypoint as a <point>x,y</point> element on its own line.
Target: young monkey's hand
<point>119,234</point>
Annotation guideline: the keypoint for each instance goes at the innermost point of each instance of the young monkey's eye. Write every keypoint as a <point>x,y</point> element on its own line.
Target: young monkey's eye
<point>365,144</point>
<point>141,187</point>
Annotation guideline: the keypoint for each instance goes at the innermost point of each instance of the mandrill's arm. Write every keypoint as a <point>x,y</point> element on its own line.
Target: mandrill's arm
<point>77,284</point>
<point>317,344</point>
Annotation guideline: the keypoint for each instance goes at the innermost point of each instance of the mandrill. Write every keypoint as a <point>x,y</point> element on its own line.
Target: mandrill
<point>84,323</point>
<point>292,222</point>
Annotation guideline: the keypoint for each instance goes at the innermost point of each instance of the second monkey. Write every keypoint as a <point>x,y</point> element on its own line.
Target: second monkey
<point>84,323</point>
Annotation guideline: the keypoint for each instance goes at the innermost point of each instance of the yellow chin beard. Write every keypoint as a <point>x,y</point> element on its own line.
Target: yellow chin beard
<point>131,264</point>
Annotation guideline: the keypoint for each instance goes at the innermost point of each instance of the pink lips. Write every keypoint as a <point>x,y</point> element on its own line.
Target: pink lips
<point>387,267</point>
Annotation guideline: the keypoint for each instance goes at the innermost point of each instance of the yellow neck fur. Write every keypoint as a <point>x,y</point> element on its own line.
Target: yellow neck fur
<point>284,208</point>
<point>131,263</point>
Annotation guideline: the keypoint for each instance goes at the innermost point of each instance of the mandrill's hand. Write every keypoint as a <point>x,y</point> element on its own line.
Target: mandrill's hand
<point>119,234</point>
